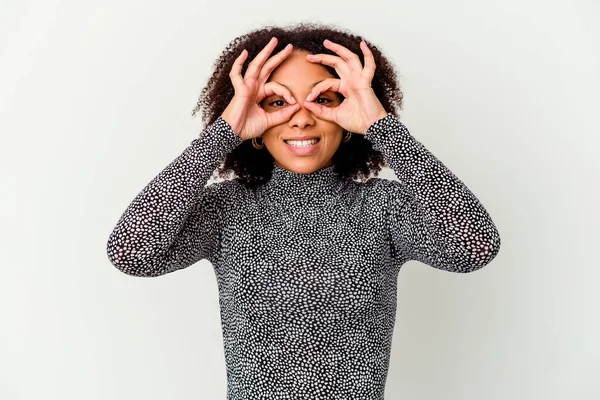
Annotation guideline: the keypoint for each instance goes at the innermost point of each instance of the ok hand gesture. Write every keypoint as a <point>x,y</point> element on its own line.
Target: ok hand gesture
<point>361,107</point>
<point>243,113</point>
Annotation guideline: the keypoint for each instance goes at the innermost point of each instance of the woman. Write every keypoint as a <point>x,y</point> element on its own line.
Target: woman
<point>306,257</point>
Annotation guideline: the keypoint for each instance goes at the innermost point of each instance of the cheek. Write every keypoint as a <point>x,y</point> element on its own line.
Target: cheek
<point>334,132</point>
<point>269,133</point>
<point>333,140</point>
<point>271,136</point>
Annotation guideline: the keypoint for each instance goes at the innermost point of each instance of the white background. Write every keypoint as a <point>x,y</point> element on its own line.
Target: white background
<point>96,99</point>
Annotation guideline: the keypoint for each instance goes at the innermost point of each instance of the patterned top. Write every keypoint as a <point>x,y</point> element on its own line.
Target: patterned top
<point>306,264</point>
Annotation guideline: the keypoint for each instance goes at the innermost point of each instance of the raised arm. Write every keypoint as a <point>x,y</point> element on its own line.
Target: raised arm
<point>433,217</point>
<point>175,220</point>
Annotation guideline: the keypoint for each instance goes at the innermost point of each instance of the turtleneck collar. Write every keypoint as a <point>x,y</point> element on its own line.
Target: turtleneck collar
<point>289,185</point>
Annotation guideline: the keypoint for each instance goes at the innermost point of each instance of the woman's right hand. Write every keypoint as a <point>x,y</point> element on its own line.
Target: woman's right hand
<point>244,113</point>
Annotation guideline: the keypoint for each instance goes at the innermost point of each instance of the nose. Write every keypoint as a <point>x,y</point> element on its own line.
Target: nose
<point>302,118</point>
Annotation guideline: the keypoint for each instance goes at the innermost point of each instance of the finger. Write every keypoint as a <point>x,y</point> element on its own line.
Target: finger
<point>273,62</point>
<point>327,84</point>
<point>281,116</point>
<point>347,55</point>
<point>256,64</point>
<point>333,61</point>
<point>369,70</point>
<point>321,111</point>
<point>278,89</point>
<point>236,70</point>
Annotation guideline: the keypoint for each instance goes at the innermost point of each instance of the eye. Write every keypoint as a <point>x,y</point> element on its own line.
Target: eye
<point>325,100</point>
<point>277,103</point>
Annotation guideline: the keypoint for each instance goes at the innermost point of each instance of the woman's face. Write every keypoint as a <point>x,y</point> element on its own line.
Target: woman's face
<point>300,75</point>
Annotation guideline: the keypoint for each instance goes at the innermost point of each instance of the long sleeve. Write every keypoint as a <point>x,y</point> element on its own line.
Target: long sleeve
<point>175,220</point>
<point>432,216</point>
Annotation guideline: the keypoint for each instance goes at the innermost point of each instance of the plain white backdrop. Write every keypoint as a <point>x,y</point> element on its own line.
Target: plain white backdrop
<point>96,99</point>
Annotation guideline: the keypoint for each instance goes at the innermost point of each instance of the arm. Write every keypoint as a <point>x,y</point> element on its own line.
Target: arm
<point>175,220</point>
<point>433,217</point>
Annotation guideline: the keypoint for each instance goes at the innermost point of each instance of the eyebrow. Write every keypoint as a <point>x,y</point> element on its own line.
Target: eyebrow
<point>313,85</point>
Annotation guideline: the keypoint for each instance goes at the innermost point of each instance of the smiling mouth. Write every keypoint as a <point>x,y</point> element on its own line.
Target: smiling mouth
<point>302,143</point>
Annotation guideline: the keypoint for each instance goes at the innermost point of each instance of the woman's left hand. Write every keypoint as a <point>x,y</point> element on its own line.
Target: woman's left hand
<point>361,107</point>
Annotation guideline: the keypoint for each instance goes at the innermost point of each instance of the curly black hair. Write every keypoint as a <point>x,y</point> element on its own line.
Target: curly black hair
<point>354,159</point>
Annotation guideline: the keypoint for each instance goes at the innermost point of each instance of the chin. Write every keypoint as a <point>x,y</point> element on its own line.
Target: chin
<point>303,166</point>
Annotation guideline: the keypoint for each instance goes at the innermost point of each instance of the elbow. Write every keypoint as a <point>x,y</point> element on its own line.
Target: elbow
<point>136,268</point>
<point>479,257</point>
<point>481,248</point>
<point>127,262</point>
<point>126,267</point>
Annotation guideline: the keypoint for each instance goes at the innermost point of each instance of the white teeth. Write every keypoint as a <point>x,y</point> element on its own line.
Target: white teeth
<point>301,143</point>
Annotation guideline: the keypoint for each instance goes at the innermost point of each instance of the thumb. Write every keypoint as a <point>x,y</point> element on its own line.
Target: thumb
<point>320,111</point>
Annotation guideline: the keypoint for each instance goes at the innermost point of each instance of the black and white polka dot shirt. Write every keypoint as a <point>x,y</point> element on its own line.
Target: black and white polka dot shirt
<point>306,265</point>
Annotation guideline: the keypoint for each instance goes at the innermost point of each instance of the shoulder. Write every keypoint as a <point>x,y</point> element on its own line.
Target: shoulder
<point>377,185</point>
<point>386,191</point>
<point>222,187</point>
<point>224,192</point>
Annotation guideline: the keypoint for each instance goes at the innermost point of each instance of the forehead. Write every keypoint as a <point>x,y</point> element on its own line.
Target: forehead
<point>295,68</point>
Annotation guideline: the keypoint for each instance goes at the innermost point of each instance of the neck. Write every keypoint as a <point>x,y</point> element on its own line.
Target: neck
<point>288,185</point>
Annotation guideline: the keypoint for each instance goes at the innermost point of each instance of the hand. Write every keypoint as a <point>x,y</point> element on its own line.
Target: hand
<point>243,113</point>
<point>361,107</point>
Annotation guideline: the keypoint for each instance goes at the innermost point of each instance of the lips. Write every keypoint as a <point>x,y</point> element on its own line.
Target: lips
<point>303,150</point>
<point>303,138</point>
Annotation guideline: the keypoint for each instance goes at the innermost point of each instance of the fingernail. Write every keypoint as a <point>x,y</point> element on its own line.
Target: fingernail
<point>293,100</point>
<point>308,97</point>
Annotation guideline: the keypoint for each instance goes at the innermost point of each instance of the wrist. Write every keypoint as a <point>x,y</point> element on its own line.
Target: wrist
<point>235,123</point>
<point>381,114</point>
